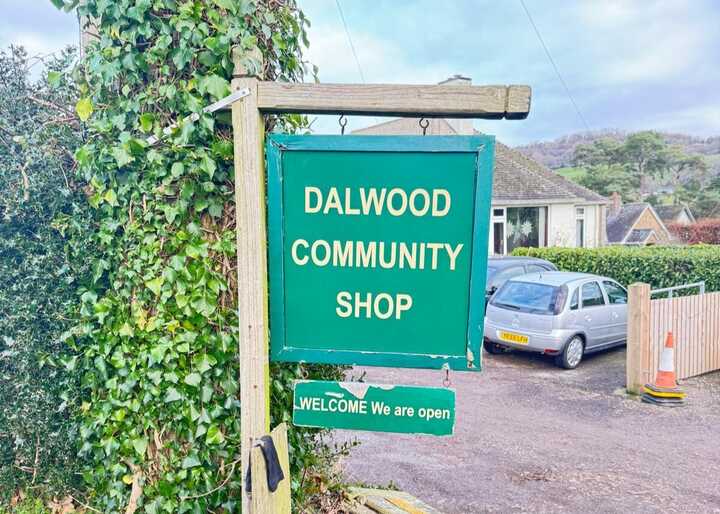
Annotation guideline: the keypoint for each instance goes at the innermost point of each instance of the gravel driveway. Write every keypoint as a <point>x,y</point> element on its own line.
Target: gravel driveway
<point>530,437</point>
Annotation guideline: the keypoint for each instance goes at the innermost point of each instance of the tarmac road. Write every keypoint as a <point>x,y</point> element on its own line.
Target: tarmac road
<point>530,437</point>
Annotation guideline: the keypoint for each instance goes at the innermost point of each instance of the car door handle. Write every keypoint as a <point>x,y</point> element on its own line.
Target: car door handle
<point>588,318</point>
<point>615,315</point>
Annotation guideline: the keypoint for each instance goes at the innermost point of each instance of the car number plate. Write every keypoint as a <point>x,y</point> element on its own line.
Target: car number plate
<point>511,337</point>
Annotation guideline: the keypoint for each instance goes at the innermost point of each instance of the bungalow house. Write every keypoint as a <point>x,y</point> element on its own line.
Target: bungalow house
<point>680,214</point>
<point>531,205</point>
<point>635,224</point>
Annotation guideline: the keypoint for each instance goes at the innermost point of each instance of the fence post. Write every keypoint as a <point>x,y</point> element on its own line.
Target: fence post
<point>638,336</point>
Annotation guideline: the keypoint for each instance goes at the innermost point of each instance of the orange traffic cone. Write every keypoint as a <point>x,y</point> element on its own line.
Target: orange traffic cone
<point>666,373</point>
<point>665,391</point>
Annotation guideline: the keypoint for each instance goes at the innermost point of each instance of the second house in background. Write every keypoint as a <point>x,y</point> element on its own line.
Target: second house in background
<point>531,205</point>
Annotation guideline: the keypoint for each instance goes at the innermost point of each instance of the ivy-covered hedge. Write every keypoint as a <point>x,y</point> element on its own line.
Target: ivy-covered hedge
<point>160,411</point>
<point>657,266</point>
<point>39,200</point>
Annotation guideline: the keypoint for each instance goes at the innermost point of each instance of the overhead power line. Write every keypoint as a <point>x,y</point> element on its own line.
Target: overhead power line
<point>557,71</point>
<point>352,46</point>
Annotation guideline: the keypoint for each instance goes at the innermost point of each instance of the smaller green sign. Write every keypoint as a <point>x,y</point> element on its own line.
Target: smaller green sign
<point>374,407</point>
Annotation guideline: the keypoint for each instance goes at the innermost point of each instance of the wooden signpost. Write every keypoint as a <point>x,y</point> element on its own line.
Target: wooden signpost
<point>489,102</point>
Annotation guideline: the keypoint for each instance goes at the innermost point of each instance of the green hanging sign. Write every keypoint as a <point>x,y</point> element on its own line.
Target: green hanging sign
<point>378,249</point>
<point>375,407</point>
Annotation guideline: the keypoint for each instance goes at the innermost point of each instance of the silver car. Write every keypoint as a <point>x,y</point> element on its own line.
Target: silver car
<point>557,313</point>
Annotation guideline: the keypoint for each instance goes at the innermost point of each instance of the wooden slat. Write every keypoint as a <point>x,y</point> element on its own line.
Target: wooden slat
<point>695,324</point>
<point>489,102</point>
<point>251,228</point>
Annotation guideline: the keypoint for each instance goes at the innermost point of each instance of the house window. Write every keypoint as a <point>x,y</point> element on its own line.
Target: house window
<point>580,227</point>
<point>497,231</point>
<point>526,226</point>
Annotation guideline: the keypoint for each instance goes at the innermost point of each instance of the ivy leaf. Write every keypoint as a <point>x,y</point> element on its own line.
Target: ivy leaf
<point>111,197</point>
<point>126,330</point>
<point>140,445</point>
<point>122,156</point>
<point>84,108</point>
<point>190,462</point>
<point>53,78</point>
<point>154,285</point>
<point>226,4</point>
<point>172,395</point>
<point>193,379</point>
<point>215,85</point>
<point>177,169</point>
<point>146,122</point>
<point>214,435</point>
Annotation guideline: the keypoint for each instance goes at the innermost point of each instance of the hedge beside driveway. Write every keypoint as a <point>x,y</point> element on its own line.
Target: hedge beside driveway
<point>658,266</point>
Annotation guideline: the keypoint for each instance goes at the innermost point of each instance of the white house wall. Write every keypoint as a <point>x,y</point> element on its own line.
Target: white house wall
<point>562,225</point>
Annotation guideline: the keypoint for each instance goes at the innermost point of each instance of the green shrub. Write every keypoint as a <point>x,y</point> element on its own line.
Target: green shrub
<point>658,266</point>
<point>38,195</point>
<point>27,506</point>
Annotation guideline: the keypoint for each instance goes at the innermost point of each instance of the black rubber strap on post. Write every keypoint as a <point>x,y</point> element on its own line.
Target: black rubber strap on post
<point>273,469</point>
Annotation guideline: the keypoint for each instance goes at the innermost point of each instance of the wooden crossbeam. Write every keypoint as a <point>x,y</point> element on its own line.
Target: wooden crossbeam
<point>488,102</point>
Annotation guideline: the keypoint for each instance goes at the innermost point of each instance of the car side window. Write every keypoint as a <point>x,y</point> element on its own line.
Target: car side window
<point>574,301</point>
<point>534,268</point>
<point>592,295</point>
<point>616,294</point>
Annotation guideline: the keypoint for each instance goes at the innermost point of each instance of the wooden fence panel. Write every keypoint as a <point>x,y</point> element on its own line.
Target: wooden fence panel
<point>695,324</point>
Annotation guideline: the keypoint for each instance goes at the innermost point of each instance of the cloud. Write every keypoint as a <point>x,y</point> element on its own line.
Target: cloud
<point>37,25</point>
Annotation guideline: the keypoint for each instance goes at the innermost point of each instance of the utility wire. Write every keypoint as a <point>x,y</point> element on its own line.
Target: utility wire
<point>352,46</point>
<point>557,71</point>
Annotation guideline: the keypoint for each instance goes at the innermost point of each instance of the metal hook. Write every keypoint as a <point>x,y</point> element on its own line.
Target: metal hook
<point>342,121</point>
<point>425,125</point>
<point>446,380</point>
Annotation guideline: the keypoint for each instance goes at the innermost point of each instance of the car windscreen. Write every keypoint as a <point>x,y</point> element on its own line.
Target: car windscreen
<point>528,297</point>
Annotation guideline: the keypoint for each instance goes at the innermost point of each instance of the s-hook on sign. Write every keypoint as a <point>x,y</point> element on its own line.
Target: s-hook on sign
<point>378,249</point>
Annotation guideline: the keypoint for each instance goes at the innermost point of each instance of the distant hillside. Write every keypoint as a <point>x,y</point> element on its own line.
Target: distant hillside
<point>559,152</point>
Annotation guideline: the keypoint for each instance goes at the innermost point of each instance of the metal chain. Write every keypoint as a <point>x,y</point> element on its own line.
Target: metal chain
<point>425,125</point>
<point>342,121</point>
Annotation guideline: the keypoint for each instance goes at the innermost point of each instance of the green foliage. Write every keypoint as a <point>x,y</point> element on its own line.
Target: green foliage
<point>627,167</point>
<point>160,409</point>
<point>571,173</point>
<point>39,200</point>
<point>657,266</point>
<point>27,506</point>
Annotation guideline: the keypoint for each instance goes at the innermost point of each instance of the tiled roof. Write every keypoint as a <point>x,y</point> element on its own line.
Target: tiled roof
<point>668,213</point>
<point>517,178</point>
<point>620,223</point>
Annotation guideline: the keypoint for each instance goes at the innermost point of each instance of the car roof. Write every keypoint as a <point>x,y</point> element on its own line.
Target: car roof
<point>556,278</point>
<point>506,262</point>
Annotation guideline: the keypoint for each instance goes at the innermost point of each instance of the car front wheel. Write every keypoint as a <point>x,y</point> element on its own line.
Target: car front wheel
<point>572,354</point>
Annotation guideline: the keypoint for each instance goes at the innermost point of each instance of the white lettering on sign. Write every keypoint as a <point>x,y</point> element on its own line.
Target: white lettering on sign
<point>381,306</point>
<point>371,254</point>
<point>395,202</point>
<point>341,405</point>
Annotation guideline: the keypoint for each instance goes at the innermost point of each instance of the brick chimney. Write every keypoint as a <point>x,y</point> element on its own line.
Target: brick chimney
<point>463,127</point>
<point>615,203</point>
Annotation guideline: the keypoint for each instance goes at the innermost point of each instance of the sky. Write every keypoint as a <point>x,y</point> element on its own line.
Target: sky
<point>628,64</point>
